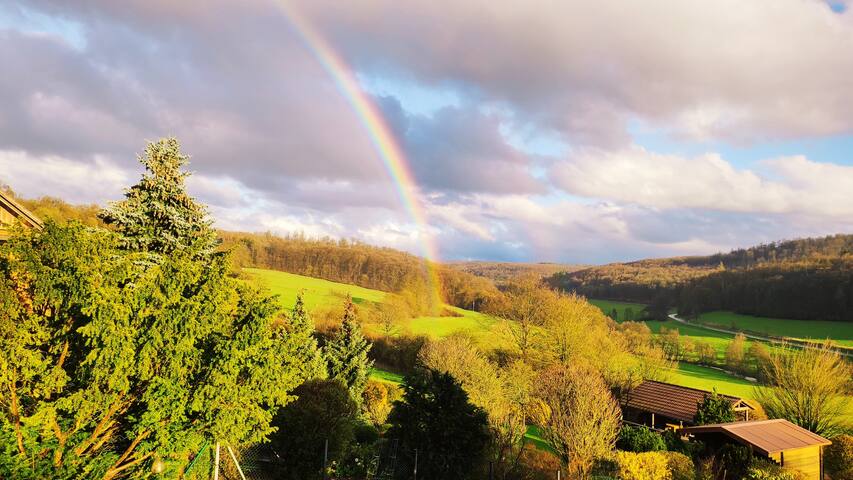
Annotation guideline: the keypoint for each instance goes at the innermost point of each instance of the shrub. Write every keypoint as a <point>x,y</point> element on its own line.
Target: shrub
<point>536,464</point>
<point>674,443</point>
<point>642,466</point>
<point>680,466</point>
<point>767,470</point>
<point>639,439</point>
<point>647,466</point>
<point>838,457</point>
<point>734,460</point>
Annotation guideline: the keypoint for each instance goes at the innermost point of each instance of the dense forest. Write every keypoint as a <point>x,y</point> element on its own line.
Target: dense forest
<point>805,279</point>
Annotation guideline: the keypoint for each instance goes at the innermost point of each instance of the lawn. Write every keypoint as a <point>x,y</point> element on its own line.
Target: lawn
<point>607,306</point>
<point>317,291</point>
<point>386,376</point>
<point>705,378</point>
<point>840,332</point>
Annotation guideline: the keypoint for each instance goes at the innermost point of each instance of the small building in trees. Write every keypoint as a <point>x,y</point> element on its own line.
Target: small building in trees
<point>660,405</point>
<point>11,214</point>
<point>779,440</point>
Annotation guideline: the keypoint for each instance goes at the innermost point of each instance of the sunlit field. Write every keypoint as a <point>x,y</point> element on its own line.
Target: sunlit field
<point>839,332</point>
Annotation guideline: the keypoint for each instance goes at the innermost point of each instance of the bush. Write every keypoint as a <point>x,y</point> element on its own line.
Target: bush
<point>767,470</point>
<point>536,464</point>
<point>674,443</point>
<point>838,457</point>
<point>680,466</point>
<point>641,466</point>
<point>735,460</point>
<point>639,439</point>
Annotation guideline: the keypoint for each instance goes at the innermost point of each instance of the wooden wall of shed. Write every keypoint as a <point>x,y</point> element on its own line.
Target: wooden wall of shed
<point>806,460</point>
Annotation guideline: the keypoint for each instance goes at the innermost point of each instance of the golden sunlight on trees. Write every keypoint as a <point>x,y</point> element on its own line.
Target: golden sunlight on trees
<point>808,387</point>
<point>577,415</point>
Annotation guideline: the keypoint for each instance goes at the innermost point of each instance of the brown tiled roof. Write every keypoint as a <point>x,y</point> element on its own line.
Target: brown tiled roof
<point>767,436</point>
<point>673,401</point>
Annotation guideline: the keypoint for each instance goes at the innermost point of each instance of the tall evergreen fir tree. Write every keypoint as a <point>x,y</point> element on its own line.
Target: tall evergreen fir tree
<point>157,214</point>
<point>301,329</point>
<point>346,353</point>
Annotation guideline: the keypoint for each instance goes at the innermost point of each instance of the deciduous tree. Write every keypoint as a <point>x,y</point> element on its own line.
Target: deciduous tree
<point>577,416</point>
<point>808,387</point>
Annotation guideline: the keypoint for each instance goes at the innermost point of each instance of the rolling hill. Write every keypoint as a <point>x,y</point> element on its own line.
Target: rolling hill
<point>806,279</point>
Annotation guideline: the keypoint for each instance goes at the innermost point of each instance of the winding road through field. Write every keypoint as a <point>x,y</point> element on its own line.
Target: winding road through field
<point>751,336</point>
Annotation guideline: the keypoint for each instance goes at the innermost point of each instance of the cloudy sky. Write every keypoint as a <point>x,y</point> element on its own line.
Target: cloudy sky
<point>536,130</point>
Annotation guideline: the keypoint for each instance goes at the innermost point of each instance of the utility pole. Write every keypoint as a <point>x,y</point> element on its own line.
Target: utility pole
<point>416,464</point>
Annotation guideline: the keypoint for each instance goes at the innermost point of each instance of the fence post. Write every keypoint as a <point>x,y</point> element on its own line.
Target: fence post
<point>325,458</point>
<point>216,464</point>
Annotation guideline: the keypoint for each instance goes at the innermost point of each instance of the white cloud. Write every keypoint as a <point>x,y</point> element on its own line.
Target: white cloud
<point>635,175</point>
<point>94,180</point>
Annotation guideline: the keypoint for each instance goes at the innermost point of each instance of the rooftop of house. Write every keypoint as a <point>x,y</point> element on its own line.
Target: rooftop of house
<point>673,401</point>
<point>766,436</point>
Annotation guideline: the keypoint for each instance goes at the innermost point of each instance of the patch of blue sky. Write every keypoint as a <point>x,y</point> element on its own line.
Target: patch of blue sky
<point>414,97</point>
<point>836,149</point>
<point>27,20</point>
<point>837,6</point>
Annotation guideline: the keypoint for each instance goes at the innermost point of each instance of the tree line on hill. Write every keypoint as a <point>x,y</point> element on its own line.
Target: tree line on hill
<point>337,260</point>
<point>806,279</point>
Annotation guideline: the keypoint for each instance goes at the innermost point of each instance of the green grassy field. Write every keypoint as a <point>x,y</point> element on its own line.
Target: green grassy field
<point>840,332</point>
<point>320,292</point>
<point>386,376</point>
<point>474,323</point>
<point>607,306</point>
<point>704,378</point>
<point>317,291</point>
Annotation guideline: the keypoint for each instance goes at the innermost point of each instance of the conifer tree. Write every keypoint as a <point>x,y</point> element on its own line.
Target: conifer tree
<point>346,353</point>
<point>301,329</point>
<point>157,214</point>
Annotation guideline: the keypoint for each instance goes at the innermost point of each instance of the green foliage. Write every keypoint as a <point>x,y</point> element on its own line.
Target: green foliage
<point>735,460</point>
<point>767,470</point>
<point>121,348</point>
<point>639,439</point>
<point>713,409</point>
<point>436,419</point>
<point>323,411</point>
<point>312,362</point>
<point>104,353</point>
<point>157,214</point>
<point>346,354</point>
<point>838,457</point>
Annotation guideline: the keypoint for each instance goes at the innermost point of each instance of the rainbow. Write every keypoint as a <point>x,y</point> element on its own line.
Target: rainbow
<point>377,129</point>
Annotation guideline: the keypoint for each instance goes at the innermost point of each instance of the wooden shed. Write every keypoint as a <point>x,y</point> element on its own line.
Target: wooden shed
<point>659,404</point>
<point>11,213</point>
<point>787,444</point>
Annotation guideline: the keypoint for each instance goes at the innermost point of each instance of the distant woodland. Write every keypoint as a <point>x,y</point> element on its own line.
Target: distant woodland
<point>808,279</point>
<point>502,272</point>
<point>356,263</point>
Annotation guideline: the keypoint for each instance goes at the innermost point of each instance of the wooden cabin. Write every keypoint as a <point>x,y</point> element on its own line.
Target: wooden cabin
<point>660,405</point>
<point>779,440</point>
<point>12,213</point>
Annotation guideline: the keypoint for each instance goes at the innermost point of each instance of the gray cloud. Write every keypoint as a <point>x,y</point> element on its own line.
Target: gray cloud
<point>276,146</point>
